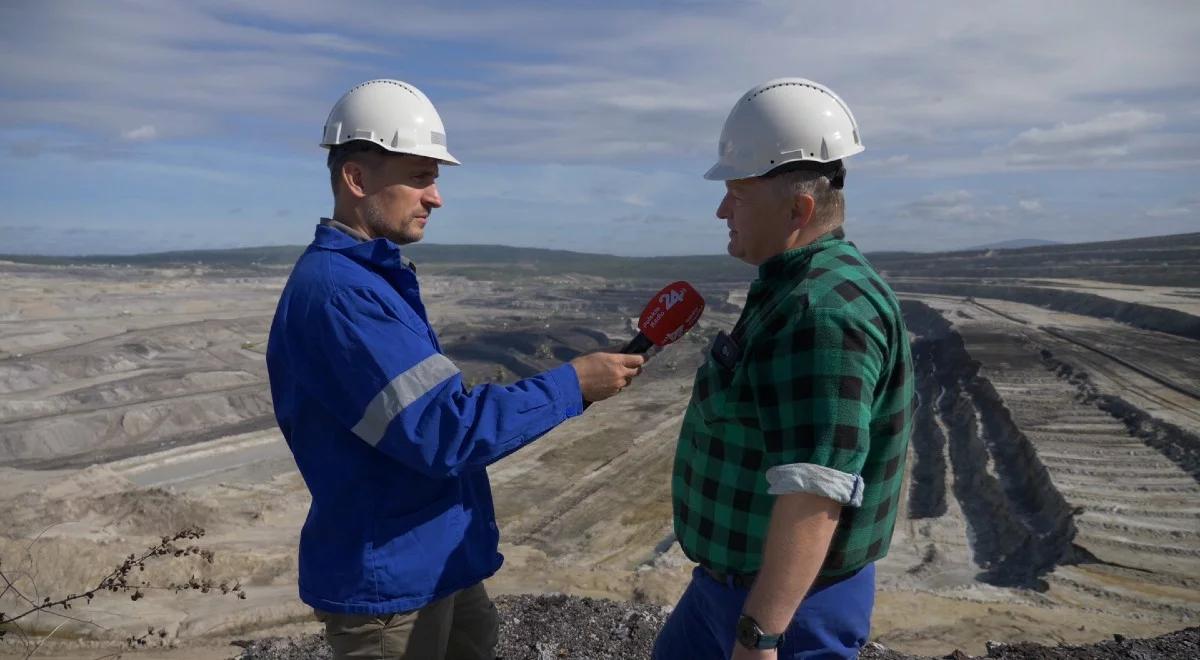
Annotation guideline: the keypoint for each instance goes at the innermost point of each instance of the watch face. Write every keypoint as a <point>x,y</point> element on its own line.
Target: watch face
<point>747,632</point>
<point>751,636</point>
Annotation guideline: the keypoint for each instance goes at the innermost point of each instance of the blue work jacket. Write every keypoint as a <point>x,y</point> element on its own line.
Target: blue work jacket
<point>390,442</point>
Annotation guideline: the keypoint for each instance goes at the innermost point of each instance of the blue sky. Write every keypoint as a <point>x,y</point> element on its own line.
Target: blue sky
<point>146,126</point>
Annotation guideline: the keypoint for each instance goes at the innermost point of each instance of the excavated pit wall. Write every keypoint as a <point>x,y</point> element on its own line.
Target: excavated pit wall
<point>1020,526</point>
<point>1147,317</point>
<point>1180,446</point>
<point>927,488</point>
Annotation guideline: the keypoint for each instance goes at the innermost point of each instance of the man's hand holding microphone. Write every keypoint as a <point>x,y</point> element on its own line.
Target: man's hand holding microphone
<point>602,375</point>
<point>669,314</point>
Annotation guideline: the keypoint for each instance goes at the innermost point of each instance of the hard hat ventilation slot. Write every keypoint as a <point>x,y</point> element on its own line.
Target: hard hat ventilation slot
<point>397,83</point>
<point>785,84</point>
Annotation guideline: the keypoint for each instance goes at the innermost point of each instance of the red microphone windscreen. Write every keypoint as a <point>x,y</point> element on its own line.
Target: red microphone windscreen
<point>671,312</point>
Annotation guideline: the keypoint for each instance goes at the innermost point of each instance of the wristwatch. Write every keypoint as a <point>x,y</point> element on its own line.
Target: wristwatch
<point>752,637</point>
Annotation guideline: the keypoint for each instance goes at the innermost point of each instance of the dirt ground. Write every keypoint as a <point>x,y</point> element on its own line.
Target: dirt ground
<point>133,404</point>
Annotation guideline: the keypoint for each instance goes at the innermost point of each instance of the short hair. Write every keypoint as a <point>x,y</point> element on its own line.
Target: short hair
<point>821,181</point>
<point>340,154</point>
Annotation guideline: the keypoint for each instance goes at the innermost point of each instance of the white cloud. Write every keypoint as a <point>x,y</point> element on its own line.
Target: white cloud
<point>634,199</point>
<point>566,185</point>
<point>1119,137</point>
<point>952,219</point>
<point>179,67</point>
<point>1172,212</point>
<point>951,205</point>
<point>654,220</point>
<point>1188,207</point>
<point>599,84</point>
<point>890,164</point>
<point>558,108</point>
<point>961,207</point>
<point>1113,126</point>
<point>143,132</point>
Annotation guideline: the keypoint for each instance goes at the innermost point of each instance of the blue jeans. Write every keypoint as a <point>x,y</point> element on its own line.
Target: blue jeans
<point>832,622</point>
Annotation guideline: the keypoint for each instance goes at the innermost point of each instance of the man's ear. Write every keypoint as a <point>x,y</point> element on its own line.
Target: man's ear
<point>803,208</point>
<point>354,178</point>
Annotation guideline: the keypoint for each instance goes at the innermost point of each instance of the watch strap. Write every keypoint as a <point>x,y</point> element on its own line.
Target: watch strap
<point>751,635</point>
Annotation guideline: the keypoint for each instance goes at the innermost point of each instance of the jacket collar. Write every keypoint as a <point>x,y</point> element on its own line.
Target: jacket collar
<point>379,252</point>
<point>792,261</point>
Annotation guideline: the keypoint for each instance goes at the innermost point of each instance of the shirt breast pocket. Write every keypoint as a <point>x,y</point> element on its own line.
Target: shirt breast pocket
<point>722,395</point>
<point>711,392</point>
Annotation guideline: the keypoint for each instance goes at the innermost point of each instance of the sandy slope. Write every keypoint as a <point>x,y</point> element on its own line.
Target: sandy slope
<point>584,510</point>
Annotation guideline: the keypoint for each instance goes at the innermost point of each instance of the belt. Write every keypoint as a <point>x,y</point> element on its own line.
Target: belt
<point>746,580</point>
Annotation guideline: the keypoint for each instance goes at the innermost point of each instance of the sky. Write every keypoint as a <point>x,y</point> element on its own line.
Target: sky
<point>146,126</point>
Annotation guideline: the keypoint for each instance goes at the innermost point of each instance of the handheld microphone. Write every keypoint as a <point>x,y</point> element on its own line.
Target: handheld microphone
<point>670,313</point>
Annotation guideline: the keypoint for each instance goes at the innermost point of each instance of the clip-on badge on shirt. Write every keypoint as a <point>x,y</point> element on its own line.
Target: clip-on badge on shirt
<point>726,351</point>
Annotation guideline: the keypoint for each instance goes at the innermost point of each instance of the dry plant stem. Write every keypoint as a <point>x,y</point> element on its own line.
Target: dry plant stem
<point>117,579</point>
<point>35,608</point>
<point>43,640</point>
<point>9,586</point>
<point>32,565</point>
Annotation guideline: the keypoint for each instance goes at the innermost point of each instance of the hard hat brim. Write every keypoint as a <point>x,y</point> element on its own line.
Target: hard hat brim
<point>726,172</point>
<point>723,172</point>
<point>440,154</point>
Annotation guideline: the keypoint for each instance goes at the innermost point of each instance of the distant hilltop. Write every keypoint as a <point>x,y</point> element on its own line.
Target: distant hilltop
<point>492,262</point>
<point>1172,260</point>
<point>1015,244</point>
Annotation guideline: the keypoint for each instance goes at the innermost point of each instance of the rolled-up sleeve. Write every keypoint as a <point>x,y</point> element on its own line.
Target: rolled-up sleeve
<point>846,489</point>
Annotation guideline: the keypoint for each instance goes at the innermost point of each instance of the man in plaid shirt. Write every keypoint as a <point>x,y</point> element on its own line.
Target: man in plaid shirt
<point>791,457</point>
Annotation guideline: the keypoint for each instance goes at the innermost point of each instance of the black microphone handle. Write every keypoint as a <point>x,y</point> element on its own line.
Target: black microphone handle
<point>640,344</point>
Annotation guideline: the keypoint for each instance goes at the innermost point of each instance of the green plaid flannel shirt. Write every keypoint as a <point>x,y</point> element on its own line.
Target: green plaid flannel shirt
<point>826,379</point>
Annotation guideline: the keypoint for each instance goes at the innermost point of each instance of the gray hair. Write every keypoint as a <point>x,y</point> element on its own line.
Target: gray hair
<point>829,208</point>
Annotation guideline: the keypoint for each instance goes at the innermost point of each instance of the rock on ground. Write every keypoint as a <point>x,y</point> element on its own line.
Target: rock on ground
<point>559,627</point>
<point>553,627</point>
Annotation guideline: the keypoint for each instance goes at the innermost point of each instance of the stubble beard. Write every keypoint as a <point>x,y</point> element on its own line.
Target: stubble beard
<point>377,222</point>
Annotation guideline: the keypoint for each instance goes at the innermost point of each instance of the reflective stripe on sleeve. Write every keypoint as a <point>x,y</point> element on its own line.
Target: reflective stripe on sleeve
<point>397,395</point>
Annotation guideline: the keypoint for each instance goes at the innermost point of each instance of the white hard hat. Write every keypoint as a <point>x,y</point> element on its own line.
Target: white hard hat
<point>391,114</point>
<point>783,121</point>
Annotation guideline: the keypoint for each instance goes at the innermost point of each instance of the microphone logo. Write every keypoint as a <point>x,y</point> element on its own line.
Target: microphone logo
<point>671,298</point>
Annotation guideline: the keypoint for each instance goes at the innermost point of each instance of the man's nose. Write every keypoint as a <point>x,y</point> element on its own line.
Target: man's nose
<point>723,208</point>
<point>432,198</point>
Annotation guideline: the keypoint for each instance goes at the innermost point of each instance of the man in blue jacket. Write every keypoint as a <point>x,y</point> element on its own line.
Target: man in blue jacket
<point>392,445</point>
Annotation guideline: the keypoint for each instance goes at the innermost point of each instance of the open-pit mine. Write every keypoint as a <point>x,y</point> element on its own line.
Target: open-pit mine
<point>1053,493</point>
